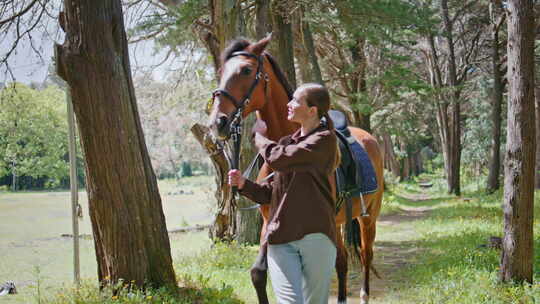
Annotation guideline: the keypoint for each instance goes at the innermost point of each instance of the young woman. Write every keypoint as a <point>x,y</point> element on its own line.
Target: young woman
<point>301,232</point>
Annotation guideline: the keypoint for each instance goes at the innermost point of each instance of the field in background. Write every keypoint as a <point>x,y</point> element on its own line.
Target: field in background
<point>33,251</point>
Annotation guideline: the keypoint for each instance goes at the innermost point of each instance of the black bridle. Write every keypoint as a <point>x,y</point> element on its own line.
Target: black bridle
<point>235,126</point>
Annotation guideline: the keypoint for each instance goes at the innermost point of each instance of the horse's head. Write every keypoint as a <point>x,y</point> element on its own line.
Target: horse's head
<point>242,87</point>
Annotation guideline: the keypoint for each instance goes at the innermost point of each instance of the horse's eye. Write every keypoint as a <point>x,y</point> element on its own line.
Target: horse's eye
<point>246,71</point>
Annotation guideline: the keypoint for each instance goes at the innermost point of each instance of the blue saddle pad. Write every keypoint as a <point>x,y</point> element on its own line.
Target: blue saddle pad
<point>365,170</point>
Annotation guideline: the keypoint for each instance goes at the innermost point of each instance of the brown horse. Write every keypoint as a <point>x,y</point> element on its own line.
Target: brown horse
<point>252,81</point>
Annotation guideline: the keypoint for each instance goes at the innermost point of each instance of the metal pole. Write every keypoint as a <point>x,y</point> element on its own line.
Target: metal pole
<point>74,188</point>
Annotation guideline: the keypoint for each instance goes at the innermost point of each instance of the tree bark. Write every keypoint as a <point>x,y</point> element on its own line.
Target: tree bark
<point>405,171</point>
<point>128,224</point>
<point>537,123</point>
<point>285,45</point>
<point>311,52</point>
<point>358,84</point>
<point>517,255</point>
<point>390,156</point>
<point>224,226</point>
<point>308,63</point>
<point>264,19</point>
<point>496,100</point>
<point>453,144</point>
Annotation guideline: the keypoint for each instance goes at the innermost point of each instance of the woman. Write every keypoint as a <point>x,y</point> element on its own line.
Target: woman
<point>301,232</point>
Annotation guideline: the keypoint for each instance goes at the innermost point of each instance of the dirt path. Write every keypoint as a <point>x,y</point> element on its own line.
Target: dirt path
<point>394,249</point>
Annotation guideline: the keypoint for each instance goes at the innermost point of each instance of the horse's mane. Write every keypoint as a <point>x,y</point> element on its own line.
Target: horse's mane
<point>240,45</point>
<point>235,46</point>
<point>280,75</point>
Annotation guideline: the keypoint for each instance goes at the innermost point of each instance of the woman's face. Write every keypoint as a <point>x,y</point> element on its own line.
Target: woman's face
<point>298,109</point>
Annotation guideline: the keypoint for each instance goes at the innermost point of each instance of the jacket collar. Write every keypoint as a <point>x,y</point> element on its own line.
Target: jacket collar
<point>296,136</point>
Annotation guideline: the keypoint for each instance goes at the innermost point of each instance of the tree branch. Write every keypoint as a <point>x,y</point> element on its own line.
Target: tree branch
<point>19,14</point>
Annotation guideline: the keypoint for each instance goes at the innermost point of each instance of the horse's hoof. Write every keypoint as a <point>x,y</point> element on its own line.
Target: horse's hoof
<point>364,297</point>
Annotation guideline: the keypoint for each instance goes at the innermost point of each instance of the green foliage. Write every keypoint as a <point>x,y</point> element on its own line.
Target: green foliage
<point>33,133</point>
<point>215,276</point>
<point>223,264</point>
<point>169,27</point>
<point>193,291</point>
<point>477,134</point>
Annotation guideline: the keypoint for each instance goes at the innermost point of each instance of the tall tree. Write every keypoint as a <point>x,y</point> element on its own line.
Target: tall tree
<point>284,48</point>
<point>308,63</point>
<point>497,18</point>
<point>517,255</point>
<point>32,135</point>
<point>130,234</point>
<point>537,125</point>
<point>450,66</point>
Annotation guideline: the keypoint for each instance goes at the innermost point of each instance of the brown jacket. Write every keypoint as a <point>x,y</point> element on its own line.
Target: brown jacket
<point>300,196</point>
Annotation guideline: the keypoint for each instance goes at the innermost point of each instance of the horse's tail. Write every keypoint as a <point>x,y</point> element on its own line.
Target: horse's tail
<point>353,239</point>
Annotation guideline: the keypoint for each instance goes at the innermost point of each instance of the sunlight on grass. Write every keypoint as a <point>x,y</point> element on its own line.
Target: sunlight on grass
<point>455,268</point>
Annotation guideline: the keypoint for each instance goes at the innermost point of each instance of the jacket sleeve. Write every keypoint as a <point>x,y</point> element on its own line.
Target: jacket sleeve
<point>259,193</point>
<point>309,153</point>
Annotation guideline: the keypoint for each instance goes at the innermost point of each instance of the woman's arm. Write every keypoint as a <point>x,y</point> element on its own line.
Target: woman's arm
<point>259,193</point>
<point>305,155</point>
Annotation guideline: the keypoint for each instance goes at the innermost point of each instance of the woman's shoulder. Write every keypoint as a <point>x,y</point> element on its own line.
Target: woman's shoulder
<point>325,134</point>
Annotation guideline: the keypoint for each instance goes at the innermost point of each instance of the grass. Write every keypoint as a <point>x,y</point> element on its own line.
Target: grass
<point>32,249</point>
<point>440,251</point>
<point>452,267</point>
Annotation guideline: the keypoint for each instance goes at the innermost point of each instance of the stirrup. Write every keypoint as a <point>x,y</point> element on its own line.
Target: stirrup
<point>364,212</point>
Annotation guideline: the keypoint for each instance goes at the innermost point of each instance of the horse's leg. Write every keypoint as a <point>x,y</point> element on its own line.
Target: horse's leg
<point>367,230</point>
<point>341,268</point>
<point>259,273</point>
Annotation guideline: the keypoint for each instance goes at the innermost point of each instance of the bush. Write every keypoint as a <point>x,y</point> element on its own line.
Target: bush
<point>185,170</point>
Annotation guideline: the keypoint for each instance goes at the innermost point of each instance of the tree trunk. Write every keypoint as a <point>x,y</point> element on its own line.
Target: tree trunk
<point>453,143</point>
<point>390,156</point>
<point>248,219</point>
<point>417,163</point>
<point>496,100</point>
<point>229,21</point>
<point>224,226</point>
<point>311,52</point>
<point>264,19</point>
<point>358,84</point>
<point>284,47</point>
<point>130,234</point>
<point>537,123</point>
<point>14,181</point>
<point>300,51</point>
<point>305,53</point>
<point>405,165</point>
<point>517,255</point>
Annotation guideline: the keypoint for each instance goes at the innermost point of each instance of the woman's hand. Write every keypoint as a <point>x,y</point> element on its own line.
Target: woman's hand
<point>236,179</point>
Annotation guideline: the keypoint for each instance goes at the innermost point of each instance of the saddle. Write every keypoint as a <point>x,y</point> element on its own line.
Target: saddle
<point>347,177</point>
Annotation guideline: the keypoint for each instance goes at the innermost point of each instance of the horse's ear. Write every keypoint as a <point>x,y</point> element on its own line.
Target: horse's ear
<point>258,47</point>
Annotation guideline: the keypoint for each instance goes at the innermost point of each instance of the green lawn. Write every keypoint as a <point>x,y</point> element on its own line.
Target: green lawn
<point>31,224</point>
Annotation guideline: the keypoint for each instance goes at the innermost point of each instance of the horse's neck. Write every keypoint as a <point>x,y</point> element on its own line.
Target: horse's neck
<point>274,113</point>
